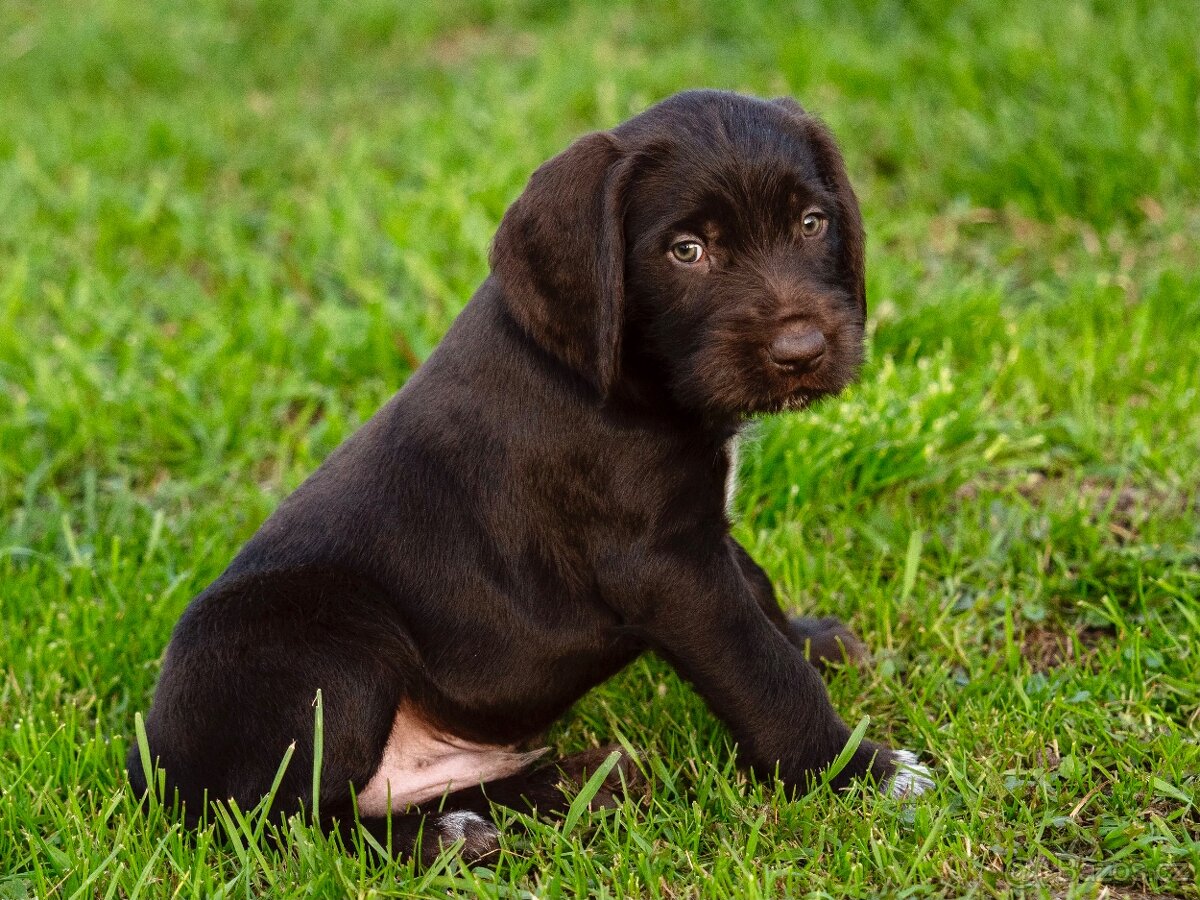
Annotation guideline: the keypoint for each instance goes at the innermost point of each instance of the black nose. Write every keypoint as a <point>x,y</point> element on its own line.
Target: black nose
<point>798,348</point>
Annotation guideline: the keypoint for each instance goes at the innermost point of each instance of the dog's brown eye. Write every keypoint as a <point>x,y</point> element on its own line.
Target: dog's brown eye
<point>689,252</point>
<point>812,224</point>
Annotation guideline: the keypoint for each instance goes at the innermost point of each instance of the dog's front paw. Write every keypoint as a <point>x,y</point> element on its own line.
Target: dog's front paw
<point>909,778</point>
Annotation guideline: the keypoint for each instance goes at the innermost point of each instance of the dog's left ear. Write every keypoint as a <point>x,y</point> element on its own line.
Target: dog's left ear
<point>833,171</point>
<point>560,257</point>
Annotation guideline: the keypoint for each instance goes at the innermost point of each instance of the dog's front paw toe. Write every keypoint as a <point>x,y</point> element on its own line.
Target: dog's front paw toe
<point>910,778</point>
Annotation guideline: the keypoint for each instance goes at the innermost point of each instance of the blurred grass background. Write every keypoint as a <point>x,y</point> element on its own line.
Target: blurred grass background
<point>230,229</point>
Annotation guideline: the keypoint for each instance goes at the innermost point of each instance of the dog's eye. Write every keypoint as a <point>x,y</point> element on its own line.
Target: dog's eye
<point>688,252</point>
<point>813,223</point>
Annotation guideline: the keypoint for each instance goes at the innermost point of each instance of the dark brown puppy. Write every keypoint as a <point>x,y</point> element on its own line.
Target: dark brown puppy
<point>546,498</point>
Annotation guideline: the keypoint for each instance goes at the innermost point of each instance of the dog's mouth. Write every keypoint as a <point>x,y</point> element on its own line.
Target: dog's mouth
<point>772,377</point>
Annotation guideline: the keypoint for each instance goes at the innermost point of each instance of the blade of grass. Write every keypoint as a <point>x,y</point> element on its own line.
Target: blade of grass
<point>843,758</point>
<point>143,742</point>
<point>318,753</point>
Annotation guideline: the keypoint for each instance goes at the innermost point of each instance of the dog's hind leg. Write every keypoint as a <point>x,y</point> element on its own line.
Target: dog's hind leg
<point>238,688</point>
<point>549,788</point>
<point>464,818</point>
<point>427,835</point>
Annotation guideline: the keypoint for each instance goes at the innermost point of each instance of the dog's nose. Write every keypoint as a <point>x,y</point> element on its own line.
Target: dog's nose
<point>799,349</point>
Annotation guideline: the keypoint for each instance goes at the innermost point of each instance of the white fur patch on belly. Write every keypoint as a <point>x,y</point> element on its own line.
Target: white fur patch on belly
<point>420,763</point>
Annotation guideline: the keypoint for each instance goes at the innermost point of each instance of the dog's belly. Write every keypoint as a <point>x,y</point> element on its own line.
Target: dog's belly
<point>421,763</point>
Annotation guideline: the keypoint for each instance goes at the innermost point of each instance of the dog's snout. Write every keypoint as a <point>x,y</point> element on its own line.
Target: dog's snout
<point>798,348</point>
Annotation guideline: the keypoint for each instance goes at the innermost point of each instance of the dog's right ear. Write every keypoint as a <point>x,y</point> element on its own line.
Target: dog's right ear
<point>833,171</point>
<point>559,255</point>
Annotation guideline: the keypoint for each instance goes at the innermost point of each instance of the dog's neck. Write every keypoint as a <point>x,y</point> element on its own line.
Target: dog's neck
<point>643,384</point>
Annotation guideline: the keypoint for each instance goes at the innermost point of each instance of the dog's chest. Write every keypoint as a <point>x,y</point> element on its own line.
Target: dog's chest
<point>731,474</point>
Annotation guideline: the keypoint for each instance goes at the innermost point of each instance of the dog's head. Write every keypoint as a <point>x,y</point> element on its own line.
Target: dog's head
<point>712,242</point>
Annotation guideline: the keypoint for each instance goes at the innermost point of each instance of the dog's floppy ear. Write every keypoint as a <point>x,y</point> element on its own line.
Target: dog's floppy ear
<point>833,172</point>
<point>560,257</point>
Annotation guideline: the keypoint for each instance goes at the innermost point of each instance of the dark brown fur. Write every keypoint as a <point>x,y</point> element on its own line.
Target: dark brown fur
<point>545,499</point>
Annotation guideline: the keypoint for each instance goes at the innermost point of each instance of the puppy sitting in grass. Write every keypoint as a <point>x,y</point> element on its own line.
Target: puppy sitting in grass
<point>546,499</point>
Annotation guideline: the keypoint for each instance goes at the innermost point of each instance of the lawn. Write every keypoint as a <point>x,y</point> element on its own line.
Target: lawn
<point>230,229</point>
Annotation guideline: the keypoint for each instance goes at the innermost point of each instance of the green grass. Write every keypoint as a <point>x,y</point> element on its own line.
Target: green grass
<point>230,229</point>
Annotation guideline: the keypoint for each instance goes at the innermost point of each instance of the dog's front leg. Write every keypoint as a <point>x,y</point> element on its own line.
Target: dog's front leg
<point>824,641</point>
<point>707,621</point>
